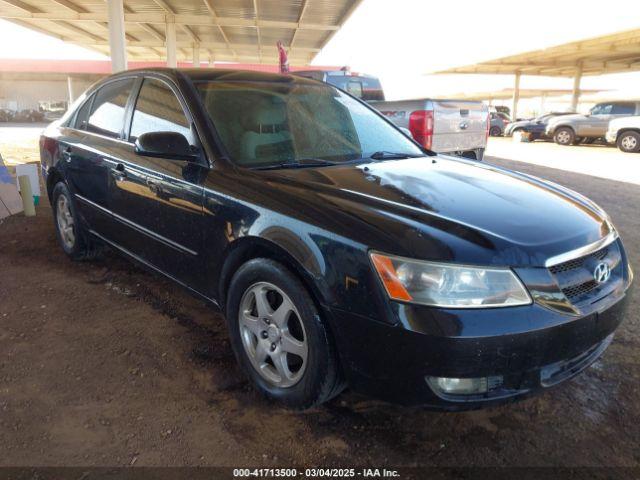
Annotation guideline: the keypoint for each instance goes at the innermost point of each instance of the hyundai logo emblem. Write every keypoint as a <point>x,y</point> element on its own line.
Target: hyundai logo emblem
<point>602,273</point>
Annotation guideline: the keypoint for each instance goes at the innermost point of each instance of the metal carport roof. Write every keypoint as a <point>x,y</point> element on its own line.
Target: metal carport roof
<point>618,52</point>
<point>614,53</point>
<point>224,30</point>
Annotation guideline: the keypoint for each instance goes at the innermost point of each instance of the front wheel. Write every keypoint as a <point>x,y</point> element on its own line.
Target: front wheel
<point>495,131</point>
<point>278,336</point>
<point>564,136</point>
<point>629,142</point>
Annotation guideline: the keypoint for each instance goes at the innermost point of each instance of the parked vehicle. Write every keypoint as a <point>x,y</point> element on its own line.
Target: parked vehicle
<point>503,110</point>
<point>6,115</point>
<point>498,124</point>
<point>504,116</point>
<point>337,248</point>
<point>443,126</point>
<point>360,85</point>
<point>572,129</point>
<point>625,133</point>
<point>457,127</point>
<point>535,127</point>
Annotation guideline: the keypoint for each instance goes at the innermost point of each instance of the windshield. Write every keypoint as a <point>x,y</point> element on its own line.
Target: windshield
<point>264,124</point>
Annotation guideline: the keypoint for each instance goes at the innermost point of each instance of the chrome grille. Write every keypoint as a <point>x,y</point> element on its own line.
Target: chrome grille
<point>581,289</point>
<point>575,276</point>
<point>579,262</point>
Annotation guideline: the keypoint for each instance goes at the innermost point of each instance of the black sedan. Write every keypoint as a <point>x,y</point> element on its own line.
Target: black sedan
<point>338,250</point>
<point>535,127</point>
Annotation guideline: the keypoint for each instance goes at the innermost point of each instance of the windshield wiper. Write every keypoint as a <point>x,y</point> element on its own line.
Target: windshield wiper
<point>383,155</point>
<point>299,163</point>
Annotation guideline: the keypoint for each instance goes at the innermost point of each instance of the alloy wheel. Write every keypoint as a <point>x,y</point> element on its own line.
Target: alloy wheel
<point>273,335</point>
<point>65,222</point>
<point>563,137</point>
<point>629,143</point>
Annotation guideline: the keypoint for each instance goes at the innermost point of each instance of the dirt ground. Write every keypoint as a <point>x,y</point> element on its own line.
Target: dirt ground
<point>104,364</point>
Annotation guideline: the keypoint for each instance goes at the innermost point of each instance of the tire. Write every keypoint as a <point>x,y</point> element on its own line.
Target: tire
<point>629,142</point>
<point>564,136</point>
<point>70,232</point>
<point>312,380</point>
<point>495,131</point>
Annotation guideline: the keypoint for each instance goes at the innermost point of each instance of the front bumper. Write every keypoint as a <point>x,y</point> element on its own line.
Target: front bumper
<point>530,348</point>
<point>611,136</point>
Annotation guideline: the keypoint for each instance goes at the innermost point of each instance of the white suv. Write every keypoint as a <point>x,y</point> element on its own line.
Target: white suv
<point>625,133</point>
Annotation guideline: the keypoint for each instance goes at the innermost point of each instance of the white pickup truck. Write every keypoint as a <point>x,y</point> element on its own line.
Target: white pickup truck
<point>457,127</point>
<point>625,133</point>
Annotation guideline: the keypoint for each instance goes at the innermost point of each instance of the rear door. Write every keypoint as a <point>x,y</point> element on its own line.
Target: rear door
<point>89,152</point>
<point>161,198</point>
<point>458,125</point>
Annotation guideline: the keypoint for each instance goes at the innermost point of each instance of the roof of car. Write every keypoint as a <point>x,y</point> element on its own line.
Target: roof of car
<point>200,74</point>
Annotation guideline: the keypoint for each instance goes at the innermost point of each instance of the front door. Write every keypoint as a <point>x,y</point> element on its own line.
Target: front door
<point>160,199</point>
<point>597,121</point>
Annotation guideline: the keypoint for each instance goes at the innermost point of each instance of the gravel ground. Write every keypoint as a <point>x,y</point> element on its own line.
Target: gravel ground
<point>104,364</point>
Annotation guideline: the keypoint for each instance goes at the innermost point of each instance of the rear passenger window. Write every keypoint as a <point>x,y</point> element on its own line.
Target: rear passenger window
<point>158,110</point>
<point>623,109</point>
<point>107,112</point>
<point>83,114</point>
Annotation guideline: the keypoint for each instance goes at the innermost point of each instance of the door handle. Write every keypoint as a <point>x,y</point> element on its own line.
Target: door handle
<point>154,186</point>
<point>119,172</point>
<point>66,154</point>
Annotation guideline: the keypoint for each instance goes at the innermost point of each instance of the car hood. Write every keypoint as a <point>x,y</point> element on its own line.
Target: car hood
<point>473,211</point>
<point>521,123</point>
<point>631,121</point>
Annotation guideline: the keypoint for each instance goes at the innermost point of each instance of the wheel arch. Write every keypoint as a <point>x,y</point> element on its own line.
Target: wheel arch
<point>248,248</point>
<point>627,129</point>
<point>53,177</point>
<point>565,125</point>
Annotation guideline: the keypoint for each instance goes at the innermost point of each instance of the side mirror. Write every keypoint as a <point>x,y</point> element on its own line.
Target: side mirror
<point>170,145</point>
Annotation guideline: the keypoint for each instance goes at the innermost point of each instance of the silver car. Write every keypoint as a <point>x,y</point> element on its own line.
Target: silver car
<point>573,129</point>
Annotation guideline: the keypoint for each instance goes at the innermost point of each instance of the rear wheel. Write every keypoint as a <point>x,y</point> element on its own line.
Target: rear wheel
<point>278,336</point>
<point>564,136</point>
<point>629,142</point>
<point>71,235</point>
<point>495,131</point>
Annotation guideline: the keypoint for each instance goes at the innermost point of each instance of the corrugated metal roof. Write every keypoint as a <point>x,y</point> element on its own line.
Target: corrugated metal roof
<point>618,52</point>
<point>225,30</point>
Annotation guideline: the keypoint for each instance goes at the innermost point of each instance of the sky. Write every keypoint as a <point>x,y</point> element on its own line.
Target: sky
<point>400,41</point>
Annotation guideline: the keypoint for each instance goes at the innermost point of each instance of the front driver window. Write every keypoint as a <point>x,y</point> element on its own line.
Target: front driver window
<point>158,110</point>
<point>602,109</point>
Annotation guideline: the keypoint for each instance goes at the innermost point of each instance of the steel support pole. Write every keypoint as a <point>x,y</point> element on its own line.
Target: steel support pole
<point>196,55</point>
<point>172,59</point>
<point>117,45</point>
<point>70,89</point>
<point>575,94</point>
<point>516,97</point>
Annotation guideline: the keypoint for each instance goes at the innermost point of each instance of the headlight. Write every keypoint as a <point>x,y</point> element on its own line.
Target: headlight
<point>448,285</point>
